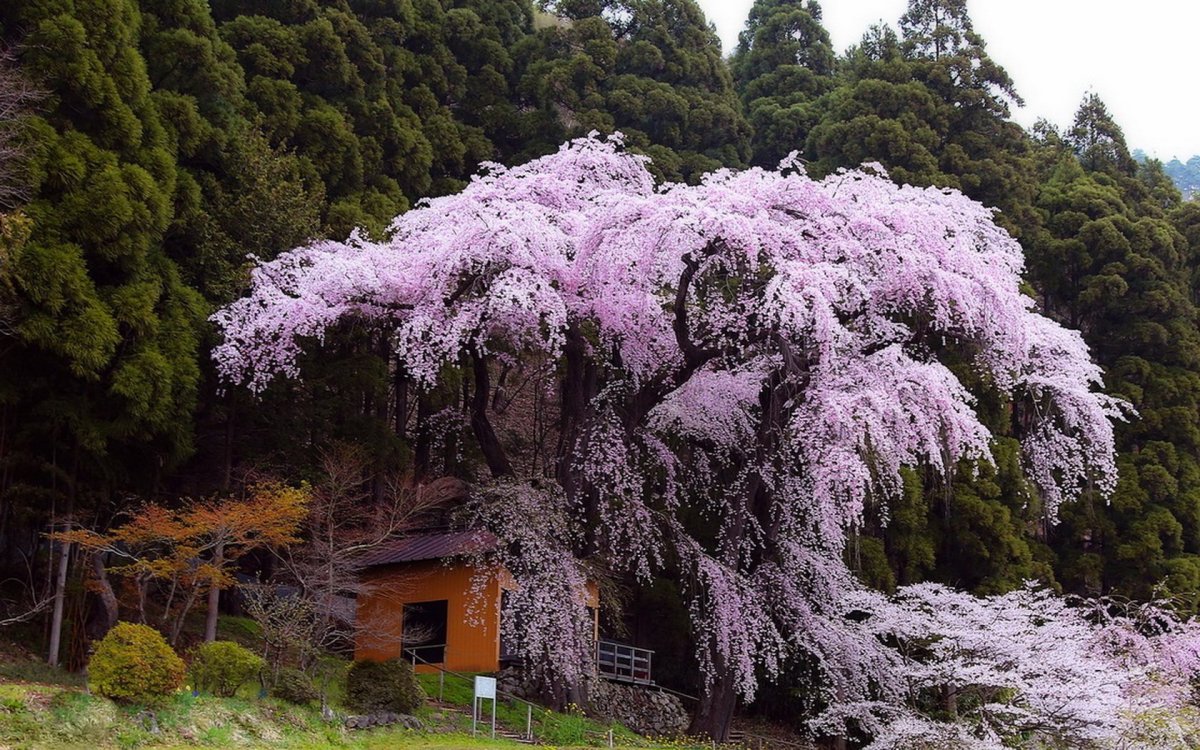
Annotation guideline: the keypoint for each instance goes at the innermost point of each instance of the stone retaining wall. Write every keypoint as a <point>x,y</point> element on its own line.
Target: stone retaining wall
<point>643,708</point>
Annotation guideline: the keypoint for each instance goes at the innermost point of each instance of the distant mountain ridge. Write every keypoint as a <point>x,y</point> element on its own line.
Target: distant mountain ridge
<point>1185,175</point>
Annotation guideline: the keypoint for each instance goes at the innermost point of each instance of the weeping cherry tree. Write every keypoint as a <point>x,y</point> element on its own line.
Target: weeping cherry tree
<point>741,369</point>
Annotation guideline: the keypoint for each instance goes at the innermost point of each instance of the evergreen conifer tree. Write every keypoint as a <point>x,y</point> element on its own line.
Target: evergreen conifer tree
<point>1098,141</point>
<point>934,108</point>
<point>100,375</point>
<point>1110,258</point>
<point>783,63</point>
<point>651,69</point>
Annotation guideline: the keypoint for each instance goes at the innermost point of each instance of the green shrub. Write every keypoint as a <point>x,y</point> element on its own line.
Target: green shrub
<point>134,664</point>
<point>221,667</point>
<point>294,686</point>
<point>382,686</point>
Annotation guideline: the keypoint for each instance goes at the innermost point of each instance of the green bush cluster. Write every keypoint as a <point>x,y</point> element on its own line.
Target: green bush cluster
<point>134,664</point>
<point>382,686</point>
<point>221,667</point>
<point>294,686</point>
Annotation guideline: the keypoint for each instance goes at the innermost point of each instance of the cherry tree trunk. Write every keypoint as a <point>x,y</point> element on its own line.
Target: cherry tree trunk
<point>577,387</point>
<point>489,443</point>
<point>715,712</point>
<point>950,694</point>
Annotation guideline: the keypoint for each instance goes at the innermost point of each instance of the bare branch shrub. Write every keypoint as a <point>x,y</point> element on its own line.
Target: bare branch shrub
<point>17,96</point>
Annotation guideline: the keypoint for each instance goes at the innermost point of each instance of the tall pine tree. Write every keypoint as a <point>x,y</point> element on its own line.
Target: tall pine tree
<point>784,62</point>
<point>934,108</point>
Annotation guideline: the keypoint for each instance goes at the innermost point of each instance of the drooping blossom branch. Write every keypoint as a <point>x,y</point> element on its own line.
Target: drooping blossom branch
<point>546,617</point>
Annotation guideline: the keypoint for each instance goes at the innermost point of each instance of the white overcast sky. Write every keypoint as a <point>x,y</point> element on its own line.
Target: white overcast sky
<point>1142,58</point>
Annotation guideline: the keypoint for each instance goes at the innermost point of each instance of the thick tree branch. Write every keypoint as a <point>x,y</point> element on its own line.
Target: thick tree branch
<point>694,357</point>
<point>493,451</point>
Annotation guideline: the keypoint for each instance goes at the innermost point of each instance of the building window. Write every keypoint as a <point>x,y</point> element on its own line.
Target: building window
<point>425,631</point>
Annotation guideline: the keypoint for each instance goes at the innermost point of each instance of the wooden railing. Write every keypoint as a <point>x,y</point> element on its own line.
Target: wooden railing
<point>616,661</point>
<point>431,654</point>
<point>526,737</point>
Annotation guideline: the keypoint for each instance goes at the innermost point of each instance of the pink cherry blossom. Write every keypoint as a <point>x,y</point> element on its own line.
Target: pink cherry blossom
<point>1027,668</point>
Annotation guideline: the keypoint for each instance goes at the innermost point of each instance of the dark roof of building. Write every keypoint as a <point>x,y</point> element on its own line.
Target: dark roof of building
<point>430,546</point>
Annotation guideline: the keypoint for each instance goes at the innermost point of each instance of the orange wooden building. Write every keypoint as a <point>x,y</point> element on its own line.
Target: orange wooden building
<point>423,593</point>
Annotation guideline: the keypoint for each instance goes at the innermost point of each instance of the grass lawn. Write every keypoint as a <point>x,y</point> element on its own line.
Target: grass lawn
<point>44,708</point>
<point>39,717</point>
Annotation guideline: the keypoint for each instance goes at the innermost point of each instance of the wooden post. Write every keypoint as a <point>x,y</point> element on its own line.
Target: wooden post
<point>610,737</point>
<point>529,721</point>
<point>441,684</point>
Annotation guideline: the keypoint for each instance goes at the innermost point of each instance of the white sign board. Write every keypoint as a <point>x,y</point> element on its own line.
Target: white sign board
<point>485,687</point>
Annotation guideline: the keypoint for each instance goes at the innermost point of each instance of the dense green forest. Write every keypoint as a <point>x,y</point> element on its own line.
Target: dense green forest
<point>173,141</point>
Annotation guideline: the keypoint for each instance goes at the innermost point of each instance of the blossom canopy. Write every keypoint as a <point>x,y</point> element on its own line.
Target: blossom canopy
<point>852,275</point>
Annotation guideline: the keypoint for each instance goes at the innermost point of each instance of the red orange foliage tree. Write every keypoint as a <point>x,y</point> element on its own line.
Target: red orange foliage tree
<point>192,549</point>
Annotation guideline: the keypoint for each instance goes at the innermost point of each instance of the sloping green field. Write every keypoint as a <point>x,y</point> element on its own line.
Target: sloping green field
<point>37,715</point>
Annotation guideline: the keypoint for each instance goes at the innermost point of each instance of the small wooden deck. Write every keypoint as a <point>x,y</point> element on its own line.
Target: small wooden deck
<point>622,663</point>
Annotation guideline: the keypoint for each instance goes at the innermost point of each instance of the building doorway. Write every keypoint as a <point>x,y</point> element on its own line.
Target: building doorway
<point>425,631</point>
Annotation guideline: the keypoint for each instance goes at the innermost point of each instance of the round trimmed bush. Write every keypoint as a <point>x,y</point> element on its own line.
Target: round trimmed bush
<point>221,667</point>
<point>382,686</point>
<point>294,686</point>
<point>135,664</point>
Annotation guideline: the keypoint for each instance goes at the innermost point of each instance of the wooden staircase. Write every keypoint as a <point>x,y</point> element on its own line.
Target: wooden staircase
<point>485,729</point>
<point>514,736</point>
